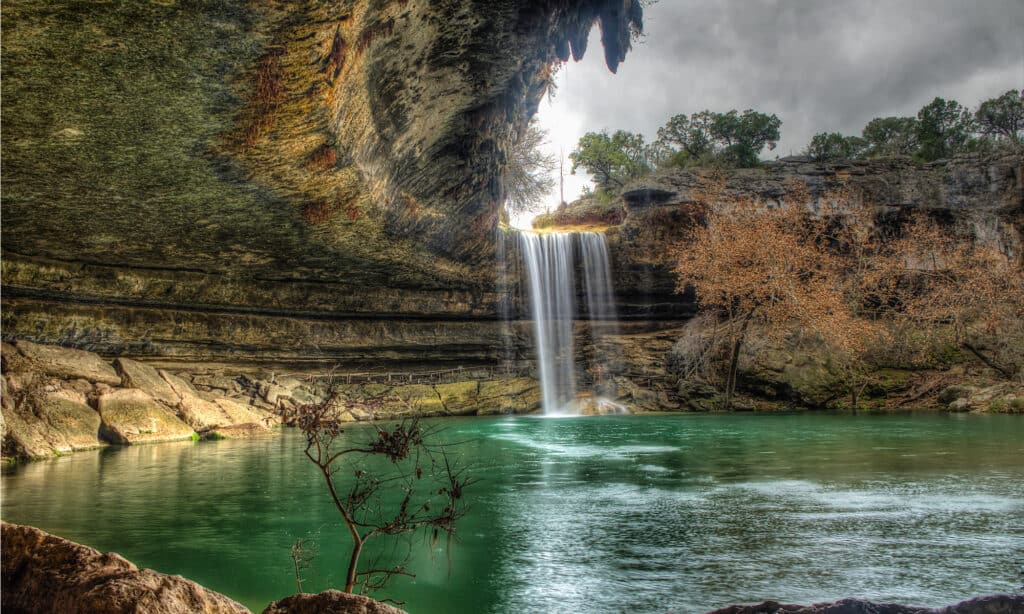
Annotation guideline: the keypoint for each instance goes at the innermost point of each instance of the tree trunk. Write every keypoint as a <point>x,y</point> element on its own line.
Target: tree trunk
<point>1005,372</point>
<point>734,362</point>
<point>350,579</point>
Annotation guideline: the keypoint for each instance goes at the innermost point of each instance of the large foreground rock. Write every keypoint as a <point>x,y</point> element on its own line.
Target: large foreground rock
<point>992,604</point>
<point>131,416</point>
<point>330,602</point>
<point>43,573</point>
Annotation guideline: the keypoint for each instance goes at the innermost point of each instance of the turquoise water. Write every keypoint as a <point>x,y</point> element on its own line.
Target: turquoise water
<point>674,513</point>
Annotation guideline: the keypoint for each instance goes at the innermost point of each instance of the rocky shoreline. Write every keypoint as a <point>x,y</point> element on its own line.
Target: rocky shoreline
<point>57,400</point>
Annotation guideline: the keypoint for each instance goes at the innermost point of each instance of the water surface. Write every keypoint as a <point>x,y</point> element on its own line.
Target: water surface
<point>675,513</point>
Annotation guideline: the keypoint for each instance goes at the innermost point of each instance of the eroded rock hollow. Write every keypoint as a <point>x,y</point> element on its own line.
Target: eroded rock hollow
<point>271,180</point>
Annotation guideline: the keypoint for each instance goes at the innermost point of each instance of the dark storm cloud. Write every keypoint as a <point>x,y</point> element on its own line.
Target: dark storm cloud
<point>821,65</point>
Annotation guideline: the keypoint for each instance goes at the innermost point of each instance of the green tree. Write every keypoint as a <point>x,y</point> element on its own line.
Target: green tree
<point>690,136</point>
<point>733,138</point>
<point>1002,117</point>
<point>891,136</point>
<point>743,136</point>
<point>827,146</point>
<point>612,160</point>
<point>528,174</point>
<point>943,128</point>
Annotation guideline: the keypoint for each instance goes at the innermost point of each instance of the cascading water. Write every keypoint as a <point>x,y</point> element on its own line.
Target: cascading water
<point>604,321</point>
<point>550,263</point>
<point>549,270</point>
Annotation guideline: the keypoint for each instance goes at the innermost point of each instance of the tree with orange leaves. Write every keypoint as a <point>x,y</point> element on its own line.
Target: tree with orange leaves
<point>769,266</point>
<point>824,266</point>
<point>937,280</point>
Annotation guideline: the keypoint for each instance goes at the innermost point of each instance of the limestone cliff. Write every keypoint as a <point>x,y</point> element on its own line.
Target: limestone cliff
<point>202,178</point>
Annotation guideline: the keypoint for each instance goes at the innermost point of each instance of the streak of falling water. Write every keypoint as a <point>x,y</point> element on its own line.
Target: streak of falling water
<point>549,271</point>
<point>604,321</point>
<point>550,263</point>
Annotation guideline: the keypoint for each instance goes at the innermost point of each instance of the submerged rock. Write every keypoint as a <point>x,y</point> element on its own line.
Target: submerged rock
<point>330,602</point>
<point>43,573</point>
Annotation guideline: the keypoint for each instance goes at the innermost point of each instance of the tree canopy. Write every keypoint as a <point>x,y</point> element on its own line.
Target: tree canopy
<point>891,136</point>
<point>943,128</point>
<point>834,146</point>
<point>612,160</point>
<point>732,138</point>
<point>1002,117</point>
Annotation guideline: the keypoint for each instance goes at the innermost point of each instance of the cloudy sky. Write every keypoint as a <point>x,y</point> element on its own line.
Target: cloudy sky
<point>820,65</point>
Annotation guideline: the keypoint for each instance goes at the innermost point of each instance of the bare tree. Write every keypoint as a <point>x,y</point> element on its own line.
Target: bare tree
<point>394,482</point>
<point>528,175</point>
<point>302,554</point>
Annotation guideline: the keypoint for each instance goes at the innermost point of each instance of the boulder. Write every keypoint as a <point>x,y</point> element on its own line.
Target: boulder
<point>135,374</point>
<point>239,431</point>
<point>272,393</point>
<point>131,416</point>
<point>199,413</point>
<point>44,573</point>
<point>330,602</point>
<point>52,425</point>
<point>71,425</point>
<point>240,413</point>
<point>9,357</point>
<point>25,435</point>
<point>217,382</point>
<point>68,363</point>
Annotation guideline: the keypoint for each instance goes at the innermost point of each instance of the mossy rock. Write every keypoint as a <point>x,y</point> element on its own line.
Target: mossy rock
<point>519,395</point>
<point>459,398</point>
<point>131,416</point>
<point>419,399</point>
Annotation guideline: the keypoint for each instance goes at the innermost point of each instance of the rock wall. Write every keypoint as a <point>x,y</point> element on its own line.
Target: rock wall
<point>208,179</point>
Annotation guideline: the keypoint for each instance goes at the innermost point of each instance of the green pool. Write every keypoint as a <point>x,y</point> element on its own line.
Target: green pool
<point>678,513</point>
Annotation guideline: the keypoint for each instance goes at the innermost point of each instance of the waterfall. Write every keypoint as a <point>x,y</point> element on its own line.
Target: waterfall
<point>550,263</point>
<point>597,277</point>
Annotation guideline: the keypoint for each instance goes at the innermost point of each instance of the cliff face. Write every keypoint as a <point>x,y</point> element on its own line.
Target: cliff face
<point>981,194</point>
<point>190,177</point>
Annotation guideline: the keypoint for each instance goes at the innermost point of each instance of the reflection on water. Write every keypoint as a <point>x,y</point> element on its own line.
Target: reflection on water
<point>649,513</point>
